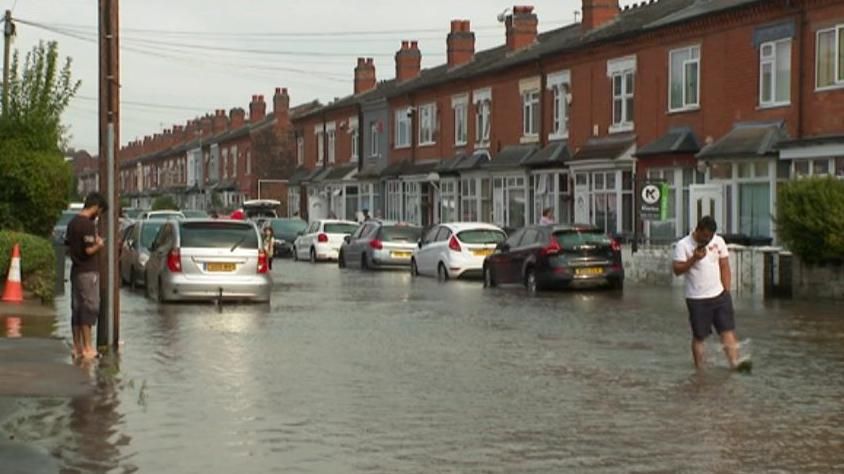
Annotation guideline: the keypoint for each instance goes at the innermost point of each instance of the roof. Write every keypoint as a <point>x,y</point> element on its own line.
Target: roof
<point>555,153</point>
<point>675,141</point>
<point>605,148</point>
<point>299,175</point>
<point>747,139</point>
<point>832,139</point>
<point>420,167</point>
<point>461,226</point>
<point>371,169</point>
<point>511,156</point>
<point>340,172</point>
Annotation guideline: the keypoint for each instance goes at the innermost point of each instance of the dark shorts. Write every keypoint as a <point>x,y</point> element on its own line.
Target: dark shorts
<point>85,298</point>
<point>708,312</point>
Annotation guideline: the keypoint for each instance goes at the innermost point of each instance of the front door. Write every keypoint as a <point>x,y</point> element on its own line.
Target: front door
<point>582,199</point>
<point>706,200</point>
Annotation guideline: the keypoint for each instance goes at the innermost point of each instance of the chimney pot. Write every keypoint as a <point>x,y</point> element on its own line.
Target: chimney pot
<point>405,44</point>
<point>596,13</point>
<point>521,27</point>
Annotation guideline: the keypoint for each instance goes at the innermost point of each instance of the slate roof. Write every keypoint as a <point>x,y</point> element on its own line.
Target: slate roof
<point>371,169</point>
<point>811,141</point>
<point>555,153</point>
<point>747,139</point>
<point>675,141</point>
<point>299,175</point>
<point>511,156</point>
<point>340,172</point>
<point>605,148</point>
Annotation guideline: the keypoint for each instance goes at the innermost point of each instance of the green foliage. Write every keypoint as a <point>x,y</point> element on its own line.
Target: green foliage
<point>38,94</point>
<point>165,203</point>
<point>34,189</point>
<point>38,262</point>
<point>810,218</point>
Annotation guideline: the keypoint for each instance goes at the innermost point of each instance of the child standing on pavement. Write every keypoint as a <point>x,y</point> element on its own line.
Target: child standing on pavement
<point>269,245</point>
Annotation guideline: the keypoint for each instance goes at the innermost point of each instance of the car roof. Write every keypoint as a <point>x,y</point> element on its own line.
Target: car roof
<point>460,226</point>
<point>335,221</point>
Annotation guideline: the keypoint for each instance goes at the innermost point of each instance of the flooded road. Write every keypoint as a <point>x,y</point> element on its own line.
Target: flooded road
<point>351,372</point>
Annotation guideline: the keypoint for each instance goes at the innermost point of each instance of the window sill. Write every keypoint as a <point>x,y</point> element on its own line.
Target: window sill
<point>553,137</point>
<point>778,105</point>
<point>426,144</point>
<point>621,128</point>
<point>833,87</point>
<point>401,147</point>
<point>460,144</point>
<point>695,108</point>
<point>529,139</point>
<point>482,145</point>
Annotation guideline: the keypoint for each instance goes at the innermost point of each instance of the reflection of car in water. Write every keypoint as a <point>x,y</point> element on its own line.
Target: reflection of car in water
<point>285,232</point>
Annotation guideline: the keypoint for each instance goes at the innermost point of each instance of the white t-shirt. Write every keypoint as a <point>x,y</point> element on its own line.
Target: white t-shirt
<point>703,280</point>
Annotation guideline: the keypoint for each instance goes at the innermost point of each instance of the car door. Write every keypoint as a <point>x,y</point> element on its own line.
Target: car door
<point>303,243</point>
<point>353,249</point>
<point>521,253</point>
<point>157,259</point>
<point>423,254</point>
<point>438,248</point>
<point>502,260</point>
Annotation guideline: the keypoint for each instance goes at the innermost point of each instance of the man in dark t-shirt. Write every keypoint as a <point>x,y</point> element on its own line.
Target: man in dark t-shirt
<point>83,245</point>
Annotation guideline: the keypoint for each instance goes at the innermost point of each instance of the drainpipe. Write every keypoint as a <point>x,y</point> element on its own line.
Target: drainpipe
<point>414,122</point>
<point>543,97</point>
<point>361,141</point>
<point>801,27</point>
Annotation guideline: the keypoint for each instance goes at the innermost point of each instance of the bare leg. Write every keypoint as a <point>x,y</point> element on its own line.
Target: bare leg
<point>730,343</point>
<point>88,350</point>
<point>698,350</point>
<point>77,341</point>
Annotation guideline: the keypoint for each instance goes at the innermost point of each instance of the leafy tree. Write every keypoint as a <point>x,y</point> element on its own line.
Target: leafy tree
<point>165,203</point>
<point>810,218</point>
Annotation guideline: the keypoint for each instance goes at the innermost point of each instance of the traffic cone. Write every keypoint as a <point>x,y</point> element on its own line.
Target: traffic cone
<point>13,292</point>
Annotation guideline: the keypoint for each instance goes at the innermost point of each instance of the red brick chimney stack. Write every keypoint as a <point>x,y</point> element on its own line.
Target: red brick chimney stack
<point>365,79</point>
<point>220,121</point>
<point>281,104</point>
<point>598,12</point>
<point>460,43</point>
<point>521,27</point>
<point>237,117</point>
<point>257,109</point>
<point>408,61</point>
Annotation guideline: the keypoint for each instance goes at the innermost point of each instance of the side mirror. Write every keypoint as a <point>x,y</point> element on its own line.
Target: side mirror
<point>347,239</point>
<point>503,247</point>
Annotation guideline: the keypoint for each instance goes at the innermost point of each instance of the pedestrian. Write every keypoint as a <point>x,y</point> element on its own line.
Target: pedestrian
<point>702,257</point>
<point>332,215</point>
<point>83,245</point>
<point>366,216</point>
<point>269,245</point>
<point>547,216</point>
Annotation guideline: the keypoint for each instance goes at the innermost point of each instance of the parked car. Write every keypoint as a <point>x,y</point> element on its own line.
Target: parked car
<point>194,214</point>
<point>261,208</point>
<point>208,260</point>
<point>131,212</point>
<point>135,253</point>
<point>286,231</point>
<point>378,244</point>
<point>322,240</point>
<point>161,215</point>
<point>455,250</point>
<point>541,257</point>
<point>60,229</point>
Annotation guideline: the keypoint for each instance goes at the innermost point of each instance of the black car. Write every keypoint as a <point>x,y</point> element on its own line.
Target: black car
<point>541,257</point>
<point>285,232</point>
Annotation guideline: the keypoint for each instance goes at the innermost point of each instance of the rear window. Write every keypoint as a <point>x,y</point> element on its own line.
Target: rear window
<point>576,238</point>
<point>340,228</point>
<point>401,233</point>
<point>148,232</point>
<point>66,218</point>
<point>195,214</point>
<point>218,235</point>
<point>481,236</point>
<point>289,227</point>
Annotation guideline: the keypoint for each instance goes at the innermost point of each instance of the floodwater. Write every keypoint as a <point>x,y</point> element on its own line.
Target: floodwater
<point>350,372</point>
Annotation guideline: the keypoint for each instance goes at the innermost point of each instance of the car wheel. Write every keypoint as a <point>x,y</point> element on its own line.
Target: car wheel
<point>295,255</point>
<point>414,270</point>
<point>442,273</point>
<point>133,278</point>
<point>489,280</point>
<point>530,281</point>
<point>617,284</point>
<point>313,256</point>
<point>364,264</point>
<point>341,260</point>
<point>160,293</point>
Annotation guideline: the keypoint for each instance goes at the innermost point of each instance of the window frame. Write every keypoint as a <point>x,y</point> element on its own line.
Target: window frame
<point>531,110</point>
<point>427,124</point>
<point>403,122</point>
<point>837,79</point>
<point>460,107</point>
<point>300,150</point>
<point>686,105</point>
<point>331,142</point>
<point>374,140</point>
<point>623,125</point>
<point>355,138</point>
<point>773,62</point>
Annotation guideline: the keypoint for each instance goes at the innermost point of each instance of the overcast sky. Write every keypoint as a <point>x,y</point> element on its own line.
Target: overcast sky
<point>175,64</point>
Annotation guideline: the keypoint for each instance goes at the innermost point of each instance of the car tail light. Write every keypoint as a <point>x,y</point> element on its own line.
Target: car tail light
<point>174,261</point>
<point>263,262</point>
<point>376,244</point>
<point>453,244</point>
<point>553,248</point>
<point>322,238</point>
<point>616,245</point>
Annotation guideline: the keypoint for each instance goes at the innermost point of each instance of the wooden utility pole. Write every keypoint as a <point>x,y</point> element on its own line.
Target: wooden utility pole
<point>109,101</point>
<point>8,32</point>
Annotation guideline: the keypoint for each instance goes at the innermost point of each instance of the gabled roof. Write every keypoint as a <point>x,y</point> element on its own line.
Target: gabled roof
<point>605,148</point>
<point>555,153</point>
<point>675,141</point>
<point>511,156</point>
<point>747,139</point>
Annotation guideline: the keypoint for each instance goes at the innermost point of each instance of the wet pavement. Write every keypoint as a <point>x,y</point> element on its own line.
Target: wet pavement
<point>351,372</point>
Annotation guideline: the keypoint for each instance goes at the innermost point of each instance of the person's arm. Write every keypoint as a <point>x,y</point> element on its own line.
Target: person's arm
<point>680,266</point>
<point>98,245</point>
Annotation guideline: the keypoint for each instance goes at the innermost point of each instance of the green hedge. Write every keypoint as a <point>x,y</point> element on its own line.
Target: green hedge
<point>810,219</point>
<point>38,263</point>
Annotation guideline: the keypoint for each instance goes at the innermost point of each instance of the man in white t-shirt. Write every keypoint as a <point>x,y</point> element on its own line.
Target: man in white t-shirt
<point>704,260</point>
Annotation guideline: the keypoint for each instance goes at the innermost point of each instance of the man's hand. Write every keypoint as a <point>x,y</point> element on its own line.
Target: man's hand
<point>100,242</point>
<point>680,267</point>
<point>699,254</point>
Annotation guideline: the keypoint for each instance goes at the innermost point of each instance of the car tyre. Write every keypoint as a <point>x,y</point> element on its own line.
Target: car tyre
<point>341,260</point>
<point>313,255</point>
<point>531,284</point>
<point>414,270</point>
<point>617,284</point>
<point>160,293</point>
<point>295,255</point>
<point>442,273</point>
<point>364,264</point>
<point>489,279</point>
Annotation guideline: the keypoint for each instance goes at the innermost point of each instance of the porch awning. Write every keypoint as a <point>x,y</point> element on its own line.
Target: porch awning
<point>371,170</point>
<point>605,148</point>
<point>447,166</point>
<point>746,139</point>
<point>340,172</point>
<point>473,162</point>
<point>299,176</point>
<point>824,146</point>
<point>681,140</point>
<point>319,175</point>
<point>511,157</point>
<point>554,154</point>
<point>421,167</point>
<point>226,185</point>
<point>393,170</point>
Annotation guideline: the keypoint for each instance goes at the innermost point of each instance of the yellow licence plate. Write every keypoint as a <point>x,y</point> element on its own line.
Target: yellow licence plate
<point>400,254</point>
<point>482,252</point>
<point>589,271</point>
<point>220,267</point>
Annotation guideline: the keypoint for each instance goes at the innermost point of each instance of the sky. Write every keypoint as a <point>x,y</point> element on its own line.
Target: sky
<point>184,58</point>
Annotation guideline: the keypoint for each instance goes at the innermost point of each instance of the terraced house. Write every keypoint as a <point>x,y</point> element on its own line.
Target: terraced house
<point>720,100</point>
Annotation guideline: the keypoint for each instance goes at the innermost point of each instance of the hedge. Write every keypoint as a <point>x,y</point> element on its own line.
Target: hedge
<point>38,263</point>
<point>810,219</point>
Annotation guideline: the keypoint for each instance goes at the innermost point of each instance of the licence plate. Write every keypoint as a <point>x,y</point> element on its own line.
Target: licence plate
<point>482,252</point>
<point>589,271</point>
<point>220,267</point>
<point>400,254</point>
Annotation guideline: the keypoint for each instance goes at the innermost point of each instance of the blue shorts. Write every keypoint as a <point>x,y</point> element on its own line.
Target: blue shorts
<point>707,312</point>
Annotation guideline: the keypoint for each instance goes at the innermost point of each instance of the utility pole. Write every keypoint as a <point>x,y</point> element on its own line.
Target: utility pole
<point>109,102</point>
<point>8,32</point>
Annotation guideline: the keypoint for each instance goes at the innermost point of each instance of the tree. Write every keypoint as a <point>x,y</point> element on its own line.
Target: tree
<point>165,203</point>
<point>810,218</point>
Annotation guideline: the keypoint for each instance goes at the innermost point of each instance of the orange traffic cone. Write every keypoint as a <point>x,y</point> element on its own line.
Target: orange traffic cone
<point>13,293</point>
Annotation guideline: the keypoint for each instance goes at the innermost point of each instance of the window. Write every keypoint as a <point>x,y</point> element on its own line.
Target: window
<point>300,150</point>
<point>355,140</point>
<point>394,200</point>
<point>249,160</point>
<point>448,201</point>
<point>293,201</point>
<point>427,123</point>
<point>685,79</point>
<point>374,140</point>
<point>403,128</point>
<point>558,84</point>
<point>461,118</point>
<point>469,199</point>
<point>235,159</point>
<point>320,138</point>
<point>830,57</point>
<point>530,113</point>
<point>775,73</point>
<point>622,101</point>
<point>483,107</point>
<point>225,163</point>
<point>332,142</point>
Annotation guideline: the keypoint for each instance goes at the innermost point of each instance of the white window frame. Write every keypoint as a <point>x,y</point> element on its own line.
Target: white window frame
<point>460,105</point>
<point>235,158</point>
<point>686,105</point>
<point>403,124</point>
<point>395,199</point>
<point>354,131</point>
<point>427,124</point>
<point>225,160</point>
<point>331,139</point>
<point>559,84</point>
<point>300,151</point>
<point>621,68</point>
<point>530,90</point>
<point>482,99</point>
<point>374,140</point>
<point>771,61</point>
<point>837,79</point>
<point>320,139</point>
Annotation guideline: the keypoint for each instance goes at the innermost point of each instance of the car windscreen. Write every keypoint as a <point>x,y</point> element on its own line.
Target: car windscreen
<point>340,228</point>
<point>576,238</point>
<point>288,227</point>
<point>218,235</point>
<point>65,218</point>
<point>131,213</point>
<point>481,236</point>
<point>400,233</point>
<point>148,232</point>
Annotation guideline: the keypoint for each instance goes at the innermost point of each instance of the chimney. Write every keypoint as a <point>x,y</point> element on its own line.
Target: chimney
<point>365,76</point>
<point>408,61</point>
<point>178,134</point>
<point>281,104</point>
<point>598,12</point>
<point>460,43</point>
<point>257,109</point>
<point>521,28</point>
<point>237,117</point>
<point>219,121</point>
<point>205,125</point>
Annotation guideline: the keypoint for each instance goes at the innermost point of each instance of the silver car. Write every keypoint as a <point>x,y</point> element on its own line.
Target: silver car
<point>207,260</point>
<point>378,244</point>
<point>135,252</point>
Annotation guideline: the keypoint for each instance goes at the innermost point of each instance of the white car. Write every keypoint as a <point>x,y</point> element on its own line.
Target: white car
<point>164,215</point>
<point>455,250</point>
<point>322,240</point>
